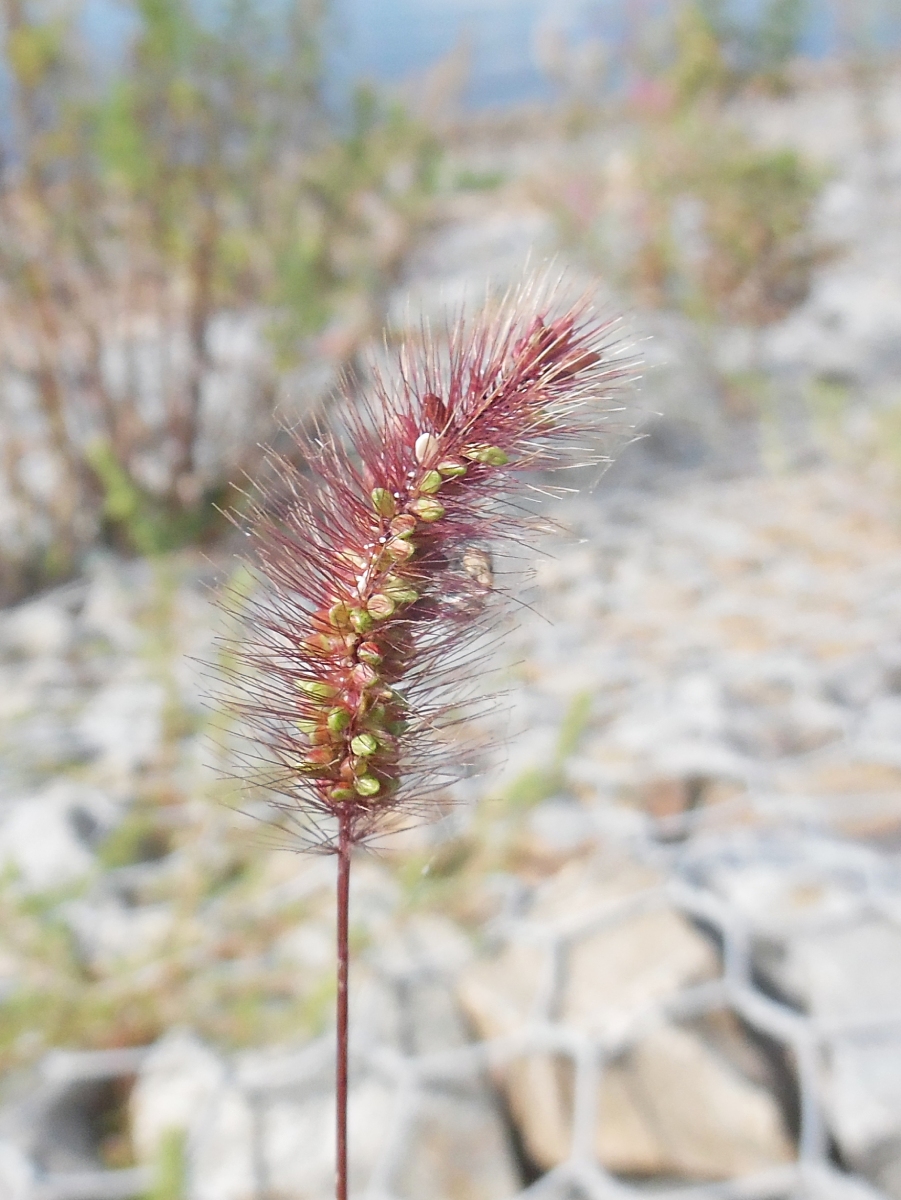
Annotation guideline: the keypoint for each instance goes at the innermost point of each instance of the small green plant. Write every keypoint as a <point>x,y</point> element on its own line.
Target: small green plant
<point>699,218</point>
<point>700,69</point>
<point>757,212</point>
<point>468,180</point>
<point>204,183</point>
<point>758,46</point>
<point>146,524</point>
<point>170,1168</point>
<point>139,838</point>
<point>828,401</point>
<point>690,212</point>
<point>888,435</point>
<point>536,784</point>
<point>362,198</point>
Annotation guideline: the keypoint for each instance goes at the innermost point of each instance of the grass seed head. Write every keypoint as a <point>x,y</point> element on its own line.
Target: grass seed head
<point>373,592</point>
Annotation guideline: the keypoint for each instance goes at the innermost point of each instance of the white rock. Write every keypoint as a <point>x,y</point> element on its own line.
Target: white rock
<point>864,1092</point>
<point>222,1149</point>
<point>265,1124</point>
<point>110,933</point>
<point>41,628</point>
<point>17,1174</point>
<point>849,973</point>
<point>455,1147</point>
<point>106,613</point>
<point>123,723</point>
<point>560,826</point>
<point>308,945</point>
<point>458,1149</point>
<point>298,1140</point>
<point>425,944</point>
<point>853,974</point>
<point>613,974</point>
<point>880,732</point>
<point>850,325</point>
<point>45,836</point>
<point>174,1091</point>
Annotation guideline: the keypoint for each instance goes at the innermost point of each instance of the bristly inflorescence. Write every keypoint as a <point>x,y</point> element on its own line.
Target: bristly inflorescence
<point>372,555</point>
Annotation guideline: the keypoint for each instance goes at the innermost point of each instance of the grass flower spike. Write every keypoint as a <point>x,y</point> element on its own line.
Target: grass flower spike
<point>374,560</point>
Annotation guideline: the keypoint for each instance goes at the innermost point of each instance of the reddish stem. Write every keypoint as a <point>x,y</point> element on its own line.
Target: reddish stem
<point>343,956</point>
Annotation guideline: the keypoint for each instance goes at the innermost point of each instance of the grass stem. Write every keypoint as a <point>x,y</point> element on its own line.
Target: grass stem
<point>344,846</point>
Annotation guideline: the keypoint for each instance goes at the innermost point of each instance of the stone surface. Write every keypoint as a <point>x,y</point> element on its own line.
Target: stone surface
<point>263,1122</point>
<point>669,1103</point>
<point>177,1082</point>
<point>673,1106</point>
<point>47,838</point>
<point>459,1149</point>
<point>122,723</point>
<point>16,1173</point>
<point>849,979</point>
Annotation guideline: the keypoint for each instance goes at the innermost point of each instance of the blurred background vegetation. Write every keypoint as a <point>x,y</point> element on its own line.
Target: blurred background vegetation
<point>196,197</point>
<point>183,229</point>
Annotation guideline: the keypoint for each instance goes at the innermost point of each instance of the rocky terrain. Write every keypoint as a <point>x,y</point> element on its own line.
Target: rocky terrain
<point>655,947</point>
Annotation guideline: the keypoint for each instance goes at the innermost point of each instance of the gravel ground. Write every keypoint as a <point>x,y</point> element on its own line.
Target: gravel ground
<point>675,890</point>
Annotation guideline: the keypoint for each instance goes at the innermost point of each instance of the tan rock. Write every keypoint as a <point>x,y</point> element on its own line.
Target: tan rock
<point>624,966</point>
<point>675,1103</point>
<point>616,974</point>
<point>458,1150</point>
<point>672,1105</point>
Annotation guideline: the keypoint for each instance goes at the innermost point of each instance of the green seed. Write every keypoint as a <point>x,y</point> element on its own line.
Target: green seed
<point>399,590</point>
<point>380,607</point>
<point>427,510</point>
<point>342,793</point>
<point>361,620</point>
<point>430,483</point>
<point>338,720</point>
<point>451,467</point>
<point>339,615</point>
<point>383,502</point>
<point>367,785</point>
<point>400,549</point>
<point>370,653</point>
<point>492,456</point>
<point>364,744</point>
<point>319,691</point>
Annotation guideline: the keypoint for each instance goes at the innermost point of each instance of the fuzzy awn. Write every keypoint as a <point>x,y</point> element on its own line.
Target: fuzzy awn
<point>375,578</point>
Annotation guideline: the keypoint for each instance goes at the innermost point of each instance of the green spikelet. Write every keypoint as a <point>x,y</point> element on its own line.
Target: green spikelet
<point>383,502</point>
<point>492,456</point>
<point>367,785</point>
<point>427,509</point>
